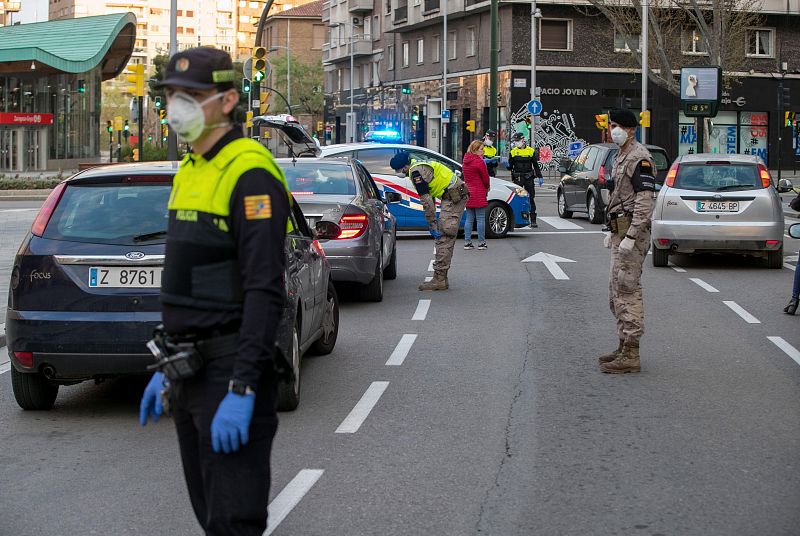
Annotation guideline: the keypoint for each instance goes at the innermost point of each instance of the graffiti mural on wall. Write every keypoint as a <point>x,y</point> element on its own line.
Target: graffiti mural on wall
<point>555,135</point>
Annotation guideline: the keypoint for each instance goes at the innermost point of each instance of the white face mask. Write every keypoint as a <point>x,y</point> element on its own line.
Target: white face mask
<point>520,144</point>
<point>186,115</point>
<point>619,136</point>
<point>488,142</point>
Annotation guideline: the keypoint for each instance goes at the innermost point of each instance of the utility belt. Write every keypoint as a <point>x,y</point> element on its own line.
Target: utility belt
<point>182,357</point>
<point>519,177</point>
<point>456,192</point>
<point>619,222</point>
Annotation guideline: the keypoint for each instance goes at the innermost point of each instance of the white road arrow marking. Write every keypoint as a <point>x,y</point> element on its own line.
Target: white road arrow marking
<point>551,263</point>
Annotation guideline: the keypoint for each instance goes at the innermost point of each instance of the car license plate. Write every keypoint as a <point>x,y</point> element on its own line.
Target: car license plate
<point>717,206</point>
<point>125,277</point>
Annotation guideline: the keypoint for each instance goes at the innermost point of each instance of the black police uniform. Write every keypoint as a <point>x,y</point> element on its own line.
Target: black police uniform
<point>524,169</point>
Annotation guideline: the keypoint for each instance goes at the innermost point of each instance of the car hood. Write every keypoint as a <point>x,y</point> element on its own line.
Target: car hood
<point>291,132</point>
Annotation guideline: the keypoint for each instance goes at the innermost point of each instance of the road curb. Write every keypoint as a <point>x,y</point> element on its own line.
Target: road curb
<point>24,195</point>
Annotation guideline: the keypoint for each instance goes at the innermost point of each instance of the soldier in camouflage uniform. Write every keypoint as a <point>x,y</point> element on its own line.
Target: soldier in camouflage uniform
<point>629,211</point>
<point>434,180</point>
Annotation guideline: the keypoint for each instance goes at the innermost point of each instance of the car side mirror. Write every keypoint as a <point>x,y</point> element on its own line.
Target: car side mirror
<point>392,197</point>
<point>794,230</point>
<point>785,185</point>
<point>326,230</point>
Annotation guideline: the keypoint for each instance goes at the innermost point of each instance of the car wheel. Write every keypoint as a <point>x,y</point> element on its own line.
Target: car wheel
<point>330,324</point>
<point>562,206</point>
<point>32,390</point>
<point>373,291</point>
<point>595,215</point>
<point>775,259</point>
<point>660,257</point>
<point>289,391</point>
<point>390,272</point>
<point>498,220</point>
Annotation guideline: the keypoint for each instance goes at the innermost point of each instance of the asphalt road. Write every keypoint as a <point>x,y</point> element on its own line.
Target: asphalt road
<point>491,418</point>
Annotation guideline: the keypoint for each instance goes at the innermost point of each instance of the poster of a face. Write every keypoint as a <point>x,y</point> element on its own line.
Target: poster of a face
<point>699,83</point>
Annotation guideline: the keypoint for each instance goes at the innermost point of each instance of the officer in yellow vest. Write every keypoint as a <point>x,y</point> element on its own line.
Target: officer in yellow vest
<point>490,152</point>
<point>222,299</point>
<point>523,161</point>
<point>432,181</point>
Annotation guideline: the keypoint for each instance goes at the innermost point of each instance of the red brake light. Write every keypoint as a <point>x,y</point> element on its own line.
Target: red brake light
<point>772,243</point>
<point>601,176</point>
<point>25,359</point>
<point>663,241</point>
<point>43,218</point>
<point>766,180</point>
<point>673,172</point>
<point>352,225</point>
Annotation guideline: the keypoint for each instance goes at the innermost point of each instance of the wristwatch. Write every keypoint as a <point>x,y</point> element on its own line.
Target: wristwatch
<point>238,387</point>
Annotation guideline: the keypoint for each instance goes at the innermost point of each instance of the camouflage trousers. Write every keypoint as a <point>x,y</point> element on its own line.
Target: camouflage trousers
<point>625,287</point>
<point>449,220</point>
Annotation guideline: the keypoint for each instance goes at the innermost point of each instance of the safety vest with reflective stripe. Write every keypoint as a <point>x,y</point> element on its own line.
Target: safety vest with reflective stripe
<point>443,177</point>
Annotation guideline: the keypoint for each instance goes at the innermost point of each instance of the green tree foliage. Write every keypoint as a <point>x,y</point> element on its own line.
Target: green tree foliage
<point>307,79</point>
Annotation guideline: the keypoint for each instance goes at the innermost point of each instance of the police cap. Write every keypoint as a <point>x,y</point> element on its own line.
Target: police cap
<point>624,118</point>
<point>518,136</point>
<point>400,160</point>
<point>200,68</point>
<point>491,133</point>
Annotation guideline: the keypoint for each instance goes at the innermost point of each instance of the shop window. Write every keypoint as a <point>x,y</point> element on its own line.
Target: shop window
<point>759,42</point>
<point>692,42</point>
<point>555,34</point>
<point>730,133</point>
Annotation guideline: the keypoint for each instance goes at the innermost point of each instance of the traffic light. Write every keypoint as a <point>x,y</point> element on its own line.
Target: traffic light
<point>528,122</point>
<point>249,119</point>
<point>137,79</point>
<point>644,118</point>
<point>149,138</point>
<point>259,58</point>
<point>415,113</point>
<point>157,102</point>
<point>788,117</point>
<point>406,89</point>
<point>81,86</point>
<point>126,130</point>
<point>162,116</point>
<point>601,121</point>
<point>109,127</point>
<point>470,125</point>
<point>246,85</point>
<point>786,98</point>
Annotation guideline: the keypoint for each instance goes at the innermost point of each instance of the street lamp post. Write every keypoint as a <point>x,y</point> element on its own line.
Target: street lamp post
<point>536,13</point>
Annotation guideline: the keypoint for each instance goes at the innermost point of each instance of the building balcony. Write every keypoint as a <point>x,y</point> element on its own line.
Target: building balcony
<point>355,6</point>
<point>362,46</point>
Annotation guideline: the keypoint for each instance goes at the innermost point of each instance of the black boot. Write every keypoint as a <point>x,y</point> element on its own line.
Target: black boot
<point>791,307</point>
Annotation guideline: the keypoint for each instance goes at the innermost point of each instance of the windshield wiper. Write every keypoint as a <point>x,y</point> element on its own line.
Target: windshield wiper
<point>149,236</point>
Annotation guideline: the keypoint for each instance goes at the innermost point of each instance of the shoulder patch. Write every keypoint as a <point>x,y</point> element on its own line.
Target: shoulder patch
<point>257,207</point>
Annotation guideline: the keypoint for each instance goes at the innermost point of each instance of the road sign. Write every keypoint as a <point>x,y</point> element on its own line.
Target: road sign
<point>247,68</point>
<point>534,106</point>
<point>445,116</point>
<point>551,263</point>
<point>575,148</point>
<point>118,122</point>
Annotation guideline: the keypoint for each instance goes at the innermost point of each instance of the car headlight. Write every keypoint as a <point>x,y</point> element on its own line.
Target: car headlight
<point>522,192</point>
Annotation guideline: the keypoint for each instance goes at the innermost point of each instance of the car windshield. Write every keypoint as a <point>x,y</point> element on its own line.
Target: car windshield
<point>111,213</point>
<point>307,178</point>
<point>707,177</point>
<point>660,160</point>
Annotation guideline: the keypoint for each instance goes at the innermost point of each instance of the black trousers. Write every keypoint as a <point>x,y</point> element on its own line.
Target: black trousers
<point>229,492</point>
<point>526,181</point>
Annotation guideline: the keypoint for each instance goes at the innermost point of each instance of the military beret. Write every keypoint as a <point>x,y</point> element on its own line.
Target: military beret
<point>624,118</point>
<point>400,160</point>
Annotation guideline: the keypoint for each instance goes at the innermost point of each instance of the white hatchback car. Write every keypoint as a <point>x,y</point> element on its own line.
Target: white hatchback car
<point>718,203</point>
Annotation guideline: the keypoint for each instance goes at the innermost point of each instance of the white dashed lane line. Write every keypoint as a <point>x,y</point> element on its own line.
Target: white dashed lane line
<point>363,407</point>
<point>422,310</point>
<point>677,269</point>
<point>430,266</point>
<point>702,284</point>
<point>559,223</point>
<point>736,308</point>
<point>290,496</point>
<point>401,350</point>
<point>787,348</point>
<point>5,363</point>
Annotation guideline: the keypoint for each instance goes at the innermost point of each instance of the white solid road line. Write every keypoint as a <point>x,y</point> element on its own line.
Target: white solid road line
<point>430,266</point>
<point>790,350</point>
<point>677,269</point>
<point>736,308</point>
<point>6,364</point>
<point>702,284</point>
<point>559,223</point>
<point>789,266</point>
<point>360,412</point>
<point>422,310</point>
<point>533,232</point>
<point>401,350</point>
<point>290,496</point>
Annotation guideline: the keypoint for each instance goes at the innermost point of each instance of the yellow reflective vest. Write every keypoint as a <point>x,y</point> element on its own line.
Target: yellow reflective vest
<point>443,177</point>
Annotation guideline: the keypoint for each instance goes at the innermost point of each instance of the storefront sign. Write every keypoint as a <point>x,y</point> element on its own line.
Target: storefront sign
<point>570,91</point>
<point>13,118</point>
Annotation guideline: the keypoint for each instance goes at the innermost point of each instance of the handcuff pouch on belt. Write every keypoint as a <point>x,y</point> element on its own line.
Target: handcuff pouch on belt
<point>619,223</point>
<point>181,360</point>
<point>456,192</point>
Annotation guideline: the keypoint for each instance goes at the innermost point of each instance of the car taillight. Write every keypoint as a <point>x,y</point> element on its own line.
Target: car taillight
<point>766,180</point>
<point>25,359</point>
<point>772,243</point>
<point>671,174</point>
<point>601,176</point>
<point>352,225</point>
<point>663,241</point>
<point>49,206</point>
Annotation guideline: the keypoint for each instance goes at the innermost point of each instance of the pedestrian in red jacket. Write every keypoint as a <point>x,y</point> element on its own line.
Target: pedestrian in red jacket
<point>476,177</point>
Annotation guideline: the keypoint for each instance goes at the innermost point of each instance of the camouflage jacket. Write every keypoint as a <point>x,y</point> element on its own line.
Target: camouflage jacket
<point>634,186</point>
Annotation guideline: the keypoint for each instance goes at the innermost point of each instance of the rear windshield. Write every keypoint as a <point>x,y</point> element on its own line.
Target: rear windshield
<point>717,177</point>
<point>319,178</point>
<point>660,160</point>
<point>110,213</point>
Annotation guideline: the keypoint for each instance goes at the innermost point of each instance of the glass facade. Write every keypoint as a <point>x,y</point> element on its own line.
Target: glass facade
<point>731,133</point>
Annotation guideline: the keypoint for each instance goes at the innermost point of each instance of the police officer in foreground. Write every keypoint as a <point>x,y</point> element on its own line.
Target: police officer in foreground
<point>629,211</point>
<point>523,161</point>
<point>432,181</point>
<point>222,297</point>
<point>490,152</point>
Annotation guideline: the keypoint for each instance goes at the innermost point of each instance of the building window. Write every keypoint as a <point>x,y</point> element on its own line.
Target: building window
<point>420,51</point>
<point>405,53</point>
<point>390,57</point>
<point>471,44</point>
<point>621,41</point>
<point>692,42</point>
<point>317,36</point>
<point>451,45</point>
<point>759,42</point>
<point>388,7</point>
<point>555,34</point>
<point>367,28</point>
<point>437,43</point>
<point>376,28</point>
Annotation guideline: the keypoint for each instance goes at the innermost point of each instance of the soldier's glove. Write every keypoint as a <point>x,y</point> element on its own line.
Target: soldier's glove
<point>151,405</point>
<point>607,241</point>
<point>231,424</point>
<point>626,246</point>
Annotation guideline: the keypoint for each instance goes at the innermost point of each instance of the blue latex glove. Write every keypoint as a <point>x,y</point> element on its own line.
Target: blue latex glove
<point>541,181</point>
<point>231,424</point>
<point>151,399</point>
<point>435,234</point>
